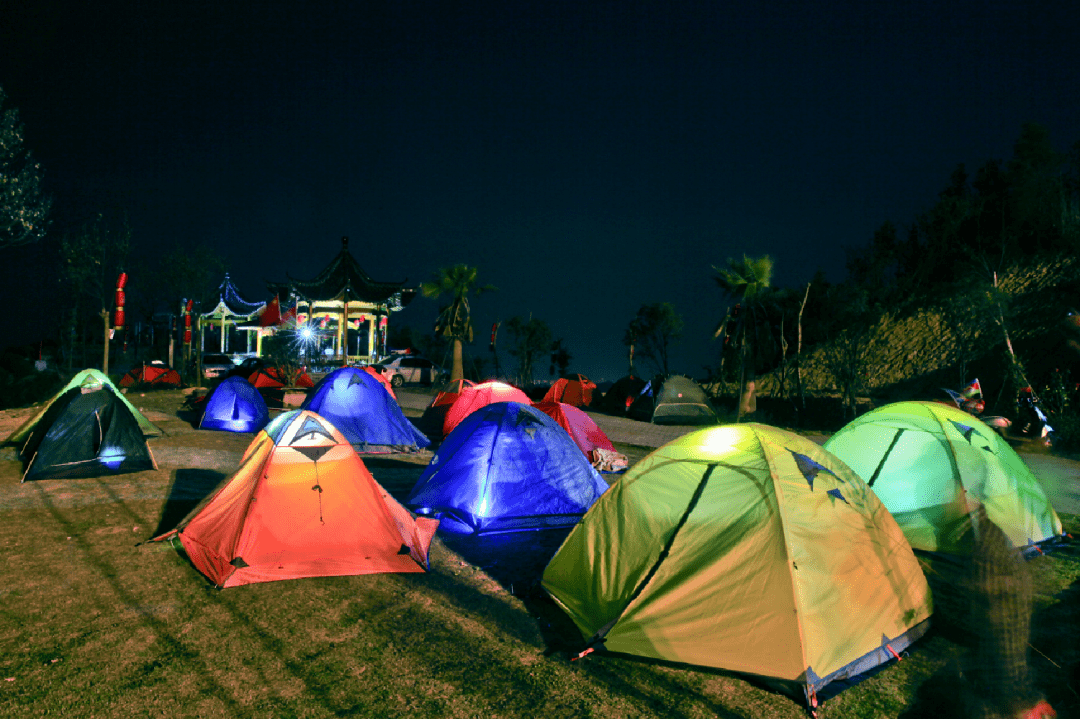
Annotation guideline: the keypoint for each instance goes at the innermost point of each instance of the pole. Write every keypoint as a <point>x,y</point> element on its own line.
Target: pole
<point>105,360</point>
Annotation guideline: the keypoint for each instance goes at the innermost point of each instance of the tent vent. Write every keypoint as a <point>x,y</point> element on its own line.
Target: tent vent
<point>239,563</point>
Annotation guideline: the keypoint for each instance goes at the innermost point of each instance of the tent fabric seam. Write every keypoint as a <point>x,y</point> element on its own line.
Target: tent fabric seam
<point>665,552</point>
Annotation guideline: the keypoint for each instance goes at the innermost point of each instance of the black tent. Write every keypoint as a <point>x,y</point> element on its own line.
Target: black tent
<point>627,388</point>
<point>86,434</point>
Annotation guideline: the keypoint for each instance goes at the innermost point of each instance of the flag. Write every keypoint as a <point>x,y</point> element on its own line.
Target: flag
<point>271,314</point>
<point>972,391</point>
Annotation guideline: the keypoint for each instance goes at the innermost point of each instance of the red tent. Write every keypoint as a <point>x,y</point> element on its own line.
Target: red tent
<point>473,398</point>
<point>374,372</point>
<point>151,375</point>
<point>302,504</point>
<point>431,423</point>
<point>586,435</point>
<point>573,389</point>
<point>272,378</point>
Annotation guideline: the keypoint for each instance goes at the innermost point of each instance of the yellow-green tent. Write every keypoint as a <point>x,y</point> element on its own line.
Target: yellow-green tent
<point>88,380</point>
<point>932,464</point>
<point>745,548</point>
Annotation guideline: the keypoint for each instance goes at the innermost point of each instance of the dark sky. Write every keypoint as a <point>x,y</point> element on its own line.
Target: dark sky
<point>588,157</point>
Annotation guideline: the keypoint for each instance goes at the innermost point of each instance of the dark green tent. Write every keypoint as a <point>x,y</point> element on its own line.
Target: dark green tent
<point>86,434</point>
<point>86,381</point>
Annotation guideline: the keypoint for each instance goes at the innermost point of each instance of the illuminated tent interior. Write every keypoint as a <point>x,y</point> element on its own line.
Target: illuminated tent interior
<point>506,467</point>
<point>749,549</point>
<point>932,464</point>
<point>86,434</point>
<point>301,504</point>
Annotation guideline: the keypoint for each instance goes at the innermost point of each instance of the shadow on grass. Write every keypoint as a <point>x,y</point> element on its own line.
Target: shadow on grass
<point>110,574</point>
<point>516,560</point>
<point>189,488</point>
<point>1055,649</point>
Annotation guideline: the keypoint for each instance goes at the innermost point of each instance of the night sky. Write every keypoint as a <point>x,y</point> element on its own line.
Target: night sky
<point>588,157</point>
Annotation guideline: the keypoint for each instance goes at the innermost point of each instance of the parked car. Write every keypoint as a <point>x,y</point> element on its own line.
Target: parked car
<point>411,368</point>
<point>248,367</point>
<point>216,366</point>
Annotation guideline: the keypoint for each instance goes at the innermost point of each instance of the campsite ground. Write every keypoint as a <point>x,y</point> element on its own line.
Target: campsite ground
<point>98,622</point>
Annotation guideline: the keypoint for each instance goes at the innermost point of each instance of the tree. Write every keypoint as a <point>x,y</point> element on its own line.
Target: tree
<point>653,331</point>
<point>24,206</point>
<point>560,357</point>
<point>746,281</point>
<point>532,339</point>
<point>91,259</point>
<point>455,320</point>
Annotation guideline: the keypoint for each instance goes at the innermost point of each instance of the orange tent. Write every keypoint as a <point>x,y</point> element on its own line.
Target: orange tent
<point>302,504</point>
<point>481,395</point>
<point>575,389</point>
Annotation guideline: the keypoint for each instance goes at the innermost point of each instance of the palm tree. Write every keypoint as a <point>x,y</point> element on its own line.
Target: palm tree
<point>455,321</point>
<point>745,280</point>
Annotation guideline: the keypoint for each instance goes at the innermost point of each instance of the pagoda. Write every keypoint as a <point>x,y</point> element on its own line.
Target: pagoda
<point>341,297</point>
<point>231,309</point>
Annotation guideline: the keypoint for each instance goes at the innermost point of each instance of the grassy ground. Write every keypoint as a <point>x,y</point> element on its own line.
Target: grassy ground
<point>94,622</point>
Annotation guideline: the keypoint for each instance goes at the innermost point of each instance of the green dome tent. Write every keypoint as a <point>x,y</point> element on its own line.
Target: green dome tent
<point>89,380</point>
<point>749,549</point>
<point>673,400</point>
<point>927,461</point>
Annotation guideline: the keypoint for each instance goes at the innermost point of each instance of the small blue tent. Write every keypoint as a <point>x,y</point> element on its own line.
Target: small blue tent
<point>361,408</point>
<point>235,406</point>
<point>506,467</point>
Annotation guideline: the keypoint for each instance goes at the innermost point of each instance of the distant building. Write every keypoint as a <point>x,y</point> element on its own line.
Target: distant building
<point>346,311</point>
<point>231,311</point>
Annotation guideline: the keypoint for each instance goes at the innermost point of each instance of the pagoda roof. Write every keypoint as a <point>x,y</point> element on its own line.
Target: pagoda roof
<point>231,304</point>
<point>344,280</point>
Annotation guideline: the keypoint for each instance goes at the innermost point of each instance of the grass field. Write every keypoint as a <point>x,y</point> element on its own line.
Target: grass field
<point>96,622</point>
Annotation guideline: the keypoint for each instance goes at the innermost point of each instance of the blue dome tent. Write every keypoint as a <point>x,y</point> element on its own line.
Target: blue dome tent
<point>361,408</point>
<point>506,467</point>
<point>235,406</point>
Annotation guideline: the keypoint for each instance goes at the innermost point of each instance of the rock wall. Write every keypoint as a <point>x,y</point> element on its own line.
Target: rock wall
<point>922,345</point>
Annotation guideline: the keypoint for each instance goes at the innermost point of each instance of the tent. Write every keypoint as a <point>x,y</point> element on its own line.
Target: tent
<point>358,405</point>
<point>575,389</point>
<point>621,395</point>
<point>506,467</point>
<point>374,372</point>
<point>435,413</point>
<point>480,395</point>
<point>589,438</point>
<point>673,400</point>
<point>273,378</point>
<point>152,376</point>
<point>749,549</point>
<point>87,380</point>
<point>235,406</point>
<point>931,463</point>
<point>302,504</point>
<point>86,433</point>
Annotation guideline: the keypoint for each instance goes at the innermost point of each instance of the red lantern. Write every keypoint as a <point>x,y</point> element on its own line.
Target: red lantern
<point>382,322</point>
<point>187,321</point>
<point>120,301</point>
